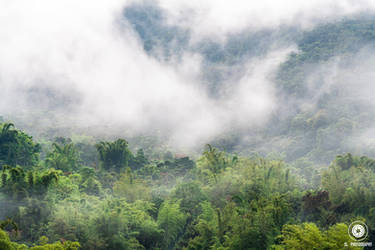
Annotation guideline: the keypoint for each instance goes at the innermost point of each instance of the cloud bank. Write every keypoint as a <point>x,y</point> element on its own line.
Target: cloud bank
<point>84,61</point>
<point>218,17</point>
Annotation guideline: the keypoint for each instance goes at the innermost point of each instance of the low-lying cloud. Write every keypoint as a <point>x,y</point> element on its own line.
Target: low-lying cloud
<point>220,17</point>
<point>85,56</point>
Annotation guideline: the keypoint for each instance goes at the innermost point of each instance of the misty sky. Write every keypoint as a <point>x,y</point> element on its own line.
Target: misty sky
<point>84,60</point>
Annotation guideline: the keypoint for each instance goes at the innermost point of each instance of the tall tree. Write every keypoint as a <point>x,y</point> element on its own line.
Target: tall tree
<point>16,147</point>
<point>114,155</point>
<point>172,221</point>
<point>64,157</point>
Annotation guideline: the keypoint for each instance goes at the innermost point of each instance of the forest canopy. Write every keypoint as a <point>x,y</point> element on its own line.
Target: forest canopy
<point>187,125</point>
<point>216,201</point>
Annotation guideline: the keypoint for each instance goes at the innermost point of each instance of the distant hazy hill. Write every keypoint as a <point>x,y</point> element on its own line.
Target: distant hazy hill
<point>319,115</point>
<point>323,88</point>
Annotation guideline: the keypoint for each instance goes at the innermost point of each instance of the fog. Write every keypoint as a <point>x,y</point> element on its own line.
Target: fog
<point>350,80</point>
<point>220,17</point>
<point>84,62</point>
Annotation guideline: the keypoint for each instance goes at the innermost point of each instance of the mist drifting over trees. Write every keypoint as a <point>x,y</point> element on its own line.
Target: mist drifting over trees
<point>186,124</point>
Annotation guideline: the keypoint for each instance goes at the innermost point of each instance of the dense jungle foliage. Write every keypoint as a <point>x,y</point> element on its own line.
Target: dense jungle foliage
<point>290,184</point>
<point>117,199</point>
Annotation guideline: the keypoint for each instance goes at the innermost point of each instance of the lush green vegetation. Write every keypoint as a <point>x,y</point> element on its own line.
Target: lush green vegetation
<point>132,201</point>
<point>288,185</point>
